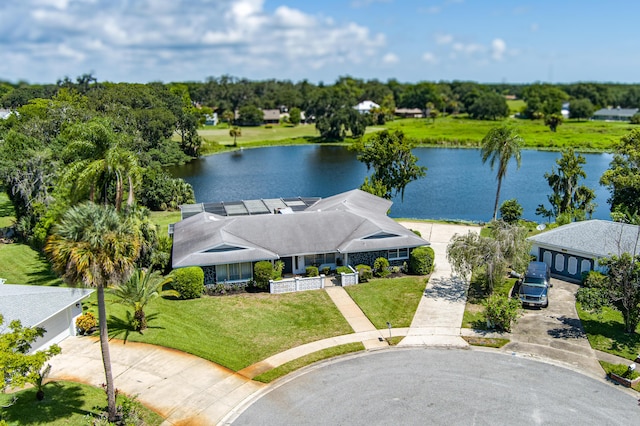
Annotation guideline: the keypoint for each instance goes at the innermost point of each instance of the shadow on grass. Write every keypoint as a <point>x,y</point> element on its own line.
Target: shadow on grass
<point>120,328</point>
<point>60,402</point>
<point>6,209</point>
<point>619,342</point>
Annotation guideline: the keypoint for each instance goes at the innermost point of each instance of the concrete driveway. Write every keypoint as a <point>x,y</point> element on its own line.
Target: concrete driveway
<point>556,332</point>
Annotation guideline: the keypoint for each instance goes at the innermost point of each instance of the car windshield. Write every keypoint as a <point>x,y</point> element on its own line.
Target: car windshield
<point>535,281</point>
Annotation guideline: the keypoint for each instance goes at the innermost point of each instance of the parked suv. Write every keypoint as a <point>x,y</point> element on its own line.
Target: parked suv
<point>534,288</point>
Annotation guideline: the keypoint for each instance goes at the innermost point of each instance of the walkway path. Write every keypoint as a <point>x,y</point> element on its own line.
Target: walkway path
<point>439,315</point>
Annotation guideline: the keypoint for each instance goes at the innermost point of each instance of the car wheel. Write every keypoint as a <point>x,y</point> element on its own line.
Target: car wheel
<point>546,305</point>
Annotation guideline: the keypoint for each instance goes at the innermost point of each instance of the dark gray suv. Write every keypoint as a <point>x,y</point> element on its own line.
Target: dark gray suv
<point>534,288</point>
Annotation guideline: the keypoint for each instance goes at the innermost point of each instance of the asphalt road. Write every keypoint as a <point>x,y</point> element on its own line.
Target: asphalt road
<point>440,386</point>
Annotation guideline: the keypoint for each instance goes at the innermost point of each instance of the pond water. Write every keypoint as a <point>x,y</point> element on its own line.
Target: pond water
<point>457,184</point>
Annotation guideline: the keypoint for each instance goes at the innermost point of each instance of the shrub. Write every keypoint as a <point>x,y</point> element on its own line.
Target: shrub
<point>635,119</point>
<point>511,211</point>
<point>421,260</point>
<point>312,271</point>
<point>326,270</point>
<point>343,270</point>
<point>380,267</point>
<point>501,312</point>
<point>189,282</point>
<point>415,231</point>
<point>364,273</point>
<point>263,271</point>
<point>86,322</point>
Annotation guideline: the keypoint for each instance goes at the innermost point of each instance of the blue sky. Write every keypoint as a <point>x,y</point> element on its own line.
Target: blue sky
<point>42,41</point>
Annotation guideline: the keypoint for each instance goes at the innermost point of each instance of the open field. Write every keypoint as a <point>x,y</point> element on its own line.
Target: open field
<point>586,135</point>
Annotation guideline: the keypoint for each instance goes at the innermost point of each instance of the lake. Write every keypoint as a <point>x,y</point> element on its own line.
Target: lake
<point>457,184</point>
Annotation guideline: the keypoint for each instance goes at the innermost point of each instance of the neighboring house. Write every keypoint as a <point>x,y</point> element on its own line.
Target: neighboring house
<point>614,114</point>
<point>5,113</point>
<point>351,228</point>
<point>53,308</point>
<point>211,119</point>
<point>572,249</point>
<point>271,116</point>
<point>409,112</point>
<point>365,107</point>
<point>565,111</point>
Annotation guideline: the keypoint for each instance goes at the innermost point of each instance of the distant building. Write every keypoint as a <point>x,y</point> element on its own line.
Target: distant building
<point>565,111</point>
<point>409,112</point>
<point>211,119</point>
<point>5,113</point>
<point>614,114</point>
<point>365,107</point>
<point>271,116</point>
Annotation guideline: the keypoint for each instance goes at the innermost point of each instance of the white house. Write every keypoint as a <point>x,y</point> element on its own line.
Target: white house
<point>365,107</point>
<point>572,249</point>
<point>53,308</point>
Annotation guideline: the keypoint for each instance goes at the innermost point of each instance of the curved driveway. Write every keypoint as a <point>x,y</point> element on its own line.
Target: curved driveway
<point>439,386</point>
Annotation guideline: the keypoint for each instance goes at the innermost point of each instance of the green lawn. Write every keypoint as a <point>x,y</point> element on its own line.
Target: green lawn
<point>258,133</point>
<point>234,331</point>
<point>605,332</point>
<point>394,300</point>
<point>65,403</point>
<point>296,364</point>
<point>587,135</point>
<point>6,211</point>
<point>164,219</point>
<point>20,264</point>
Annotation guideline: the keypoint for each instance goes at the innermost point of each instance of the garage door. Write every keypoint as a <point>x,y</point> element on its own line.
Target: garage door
<point>566,265</point>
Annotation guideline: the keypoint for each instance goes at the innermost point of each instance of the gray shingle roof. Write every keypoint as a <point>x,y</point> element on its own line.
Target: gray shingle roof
<point>340,223</point>
<point>34,304</point>
<point>598,238</point>
<point>615,112</point>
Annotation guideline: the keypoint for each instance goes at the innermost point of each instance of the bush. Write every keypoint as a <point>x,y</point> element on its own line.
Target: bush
<point>635,119</point>
<point>326,270</point>
<point>421,260</point>
<point>501,312</point>
<point>343,270</point>
<point>263,271</point>
<point>312,271</point>
<point>511,211</point>
<point>189,282</point>
<point>415,231</point>
<point>380,267</point>
<point>86,322</point>
<point>364,273</point>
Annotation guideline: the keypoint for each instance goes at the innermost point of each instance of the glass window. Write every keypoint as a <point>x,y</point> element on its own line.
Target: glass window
<point>330,258</point>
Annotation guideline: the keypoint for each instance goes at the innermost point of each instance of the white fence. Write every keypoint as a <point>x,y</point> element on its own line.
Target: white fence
<point>290,285</point>
<point>349,279</point>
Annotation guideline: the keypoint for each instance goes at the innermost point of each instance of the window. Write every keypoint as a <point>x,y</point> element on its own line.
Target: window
<point>319,259</point>
<point>234,272</point>
<point>402,253</point>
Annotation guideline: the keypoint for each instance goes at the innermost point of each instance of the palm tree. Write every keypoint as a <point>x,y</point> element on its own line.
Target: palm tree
<point>93,246</point>
<point>499,146</point>
<point>235,132</point>
<point>138,290</point>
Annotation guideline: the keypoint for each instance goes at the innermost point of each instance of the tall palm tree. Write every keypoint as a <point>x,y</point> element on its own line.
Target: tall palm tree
<point>499,146</point>
<point>93,246</point>
<point>139,290</point>
<point>234,132</point>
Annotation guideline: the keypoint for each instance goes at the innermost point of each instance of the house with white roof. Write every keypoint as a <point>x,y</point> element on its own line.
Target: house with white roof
<point>365,107</point>
<point>53,308</point>
<point>572,249</point>
<point>351,228</point>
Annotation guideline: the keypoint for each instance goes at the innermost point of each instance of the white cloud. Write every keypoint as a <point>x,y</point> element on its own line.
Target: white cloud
<point>444,38</point>
<point>498,48</point>
<point>390,58</point>
<point>158,39</point>
<point>429,58</point>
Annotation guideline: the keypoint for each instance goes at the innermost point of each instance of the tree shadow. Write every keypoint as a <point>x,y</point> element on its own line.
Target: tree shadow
<point>572,329</point>
<point>613,332</point>
<point>60,402</point>
<point>450,289</point>
<point>121,328</point>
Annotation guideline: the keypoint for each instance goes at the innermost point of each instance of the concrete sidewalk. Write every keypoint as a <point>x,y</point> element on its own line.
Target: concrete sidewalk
<point>439,315</point>
<point>182,388</point>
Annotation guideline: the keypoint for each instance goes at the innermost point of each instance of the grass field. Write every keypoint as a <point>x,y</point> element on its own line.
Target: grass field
<point>586,135</point>
<point>233,331</point>
<point>65,403</point>
<point>389,300</point>
<point>605,332</point>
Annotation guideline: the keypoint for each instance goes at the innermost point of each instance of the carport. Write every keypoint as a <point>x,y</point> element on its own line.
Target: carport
<point>572,249</point>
